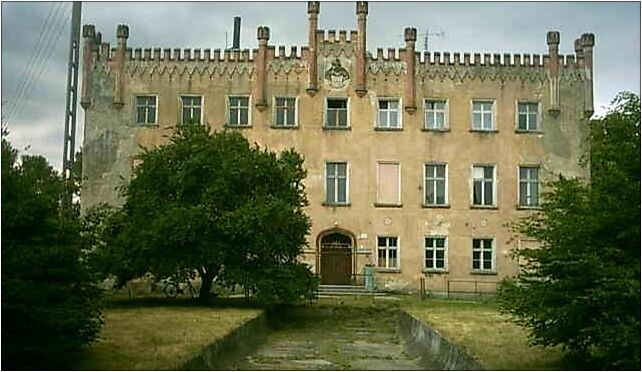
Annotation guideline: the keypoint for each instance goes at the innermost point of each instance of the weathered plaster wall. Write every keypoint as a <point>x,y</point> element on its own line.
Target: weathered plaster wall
<point>112,138</point>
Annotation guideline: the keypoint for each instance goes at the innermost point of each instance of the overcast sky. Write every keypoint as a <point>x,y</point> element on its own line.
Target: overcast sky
<point>37,121</point>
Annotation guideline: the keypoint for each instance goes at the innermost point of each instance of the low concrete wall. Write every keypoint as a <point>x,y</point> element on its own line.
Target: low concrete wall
<point>238,343</point>
<point>435,351</point>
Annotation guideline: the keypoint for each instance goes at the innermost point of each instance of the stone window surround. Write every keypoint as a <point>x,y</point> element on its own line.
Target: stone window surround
<point>135,106</point>
<point>446,201</point>
<point>493,113</point>
<point>446,102</point>
<point>538,128</point>
<point>228,108</point>
<point>472,186</point>
<point>445,249</point>
<point>387,126</point>
<point>325,184</point>
<point>274,113</point>
<point>180,104</point>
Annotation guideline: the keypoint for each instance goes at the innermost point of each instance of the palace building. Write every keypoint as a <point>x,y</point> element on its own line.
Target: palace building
<point>417,162</point>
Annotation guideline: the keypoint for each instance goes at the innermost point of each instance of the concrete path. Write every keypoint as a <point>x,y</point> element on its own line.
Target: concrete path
<point>318,338</point>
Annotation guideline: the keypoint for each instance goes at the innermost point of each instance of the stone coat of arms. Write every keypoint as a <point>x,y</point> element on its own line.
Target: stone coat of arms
<point>336,75</point>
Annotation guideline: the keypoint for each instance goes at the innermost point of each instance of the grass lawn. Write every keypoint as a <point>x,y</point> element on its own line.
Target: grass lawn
<point>158,337</point>
<point>482,331</point>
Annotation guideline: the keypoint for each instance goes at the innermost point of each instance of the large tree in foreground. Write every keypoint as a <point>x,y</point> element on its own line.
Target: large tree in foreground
<point>581,289</point>
<point>49,301</point>
<point>214,203</point>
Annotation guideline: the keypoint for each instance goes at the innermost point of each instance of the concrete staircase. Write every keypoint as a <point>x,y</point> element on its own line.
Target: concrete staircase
<point>328,290</point>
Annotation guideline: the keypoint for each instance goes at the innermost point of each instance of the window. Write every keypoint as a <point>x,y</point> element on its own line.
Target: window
<point>388,116</point>
<point>239,113</point>
<point>483,255</point>
<point>146,109</point>
<point>285,108</point>
<point>191,109</point>
<point>435,248</point>
<point>337,113</point>
<point>388,183</point>
<point>435,115</point>
<point>483,185</point>
<point>483,115</point>
<point>336,177</point>
<point>528,186</point>
<point>388,252</point>
<point>527,113</point>
<point>435,192</point>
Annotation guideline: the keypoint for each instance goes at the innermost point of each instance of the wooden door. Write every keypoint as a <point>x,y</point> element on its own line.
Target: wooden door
<point>336,259</point>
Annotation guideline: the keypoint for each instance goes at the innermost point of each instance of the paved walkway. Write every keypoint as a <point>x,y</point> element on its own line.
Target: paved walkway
<point>318,338</point>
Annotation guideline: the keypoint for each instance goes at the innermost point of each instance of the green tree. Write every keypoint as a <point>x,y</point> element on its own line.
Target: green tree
<point>49,304</point>
<point>581,289</point>
<point>213,203</point>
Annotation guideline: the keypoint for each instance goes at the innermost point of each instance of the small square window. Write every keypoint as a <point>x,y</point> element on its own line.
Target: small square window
<point>527,116</point>
<point>146,109</point>
<point>483,116</point>
<point>436,115</point>
<point>239,111</point>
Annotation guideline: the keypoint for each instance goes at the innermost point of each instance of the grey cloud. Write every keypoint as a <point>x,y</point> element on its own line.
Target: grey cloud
<point>518,27</point>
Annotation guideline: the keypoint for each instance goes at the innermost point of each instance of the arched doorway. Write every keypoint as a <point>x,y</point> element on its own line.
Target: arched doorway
<point>336,258</point>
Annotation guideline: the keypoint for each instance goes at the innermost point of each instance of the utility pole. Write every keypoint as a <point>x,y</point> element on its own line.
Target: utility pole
<point>70,108</point>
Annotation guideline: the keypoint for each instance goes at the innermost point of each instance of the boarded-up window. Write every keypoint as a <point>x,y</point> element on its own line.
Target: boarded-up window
<point>388,183</point>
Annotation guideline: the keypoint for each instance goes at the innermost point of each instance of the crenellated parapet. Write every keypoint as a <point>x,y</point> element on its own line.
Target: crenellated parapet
<point>335,44</point>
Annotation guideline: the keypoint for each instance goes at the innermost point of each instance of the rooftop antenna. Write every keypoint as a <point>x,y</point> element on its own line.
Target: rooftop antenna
<point>428,34</point>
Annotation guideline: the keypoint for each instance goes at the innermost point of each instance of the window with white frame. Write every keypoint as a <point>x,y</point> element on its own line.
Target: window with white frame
<point>484,185</point>
<point>435,184</point>
<point>483,254</point>
<point>388,114</point>
<point>146,109</point>
<point>239,110</point>
<point>483,115</point>
<point>336,177</point>
<point>527,116</point>
<point>191,108</point>
<point>388,252</point>
<point>285,115</point>
<point>436,253</point>
<point>529,186</point>
<point>336,113</point>
<point>388,183</point>
<point>436,114</point>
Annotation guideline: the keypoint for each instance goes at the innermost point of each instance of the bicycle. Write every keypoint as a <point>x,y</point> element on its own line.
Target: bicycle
<point>173,288</point>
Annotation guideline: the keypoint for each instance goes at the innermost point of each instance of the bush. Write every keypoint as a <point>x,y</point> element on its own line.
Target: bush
<point>49,304</point>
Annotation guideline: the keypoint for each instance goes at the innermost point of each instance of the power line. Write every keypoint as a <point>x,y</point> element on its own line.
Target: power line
<point>41,67</point>
<point>38,47</point>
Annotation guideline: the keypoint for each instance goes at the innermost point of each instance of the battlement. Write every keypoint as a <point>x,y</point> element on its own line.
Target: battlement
<point>330,36</point>
<point>475,59</point>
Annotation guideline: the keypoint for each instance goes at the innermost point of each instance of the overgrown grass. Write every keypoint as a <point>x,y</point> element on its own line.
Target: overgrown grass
<point>147,335</point>
<point>480,329</point>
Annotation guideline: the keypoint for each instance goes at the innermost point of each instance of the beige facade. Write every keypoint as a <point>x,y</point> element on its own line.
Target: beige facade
<point>386,149</point>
